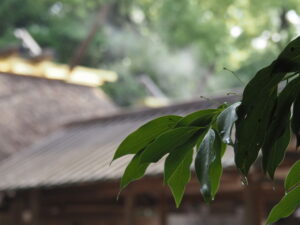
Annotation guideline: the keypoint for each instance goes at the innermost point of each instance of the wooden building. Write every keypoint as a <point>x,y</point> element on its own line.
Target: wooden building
<point>66,179</point>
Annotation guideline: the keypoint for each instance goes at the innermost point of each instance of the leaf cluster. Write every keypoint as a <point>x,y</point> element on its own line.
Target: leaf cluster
<point>264,120</point>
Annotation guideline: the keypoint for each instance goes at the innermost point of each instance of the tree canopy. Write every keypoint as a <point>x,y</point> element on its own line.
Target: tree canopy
<point>184,55</point>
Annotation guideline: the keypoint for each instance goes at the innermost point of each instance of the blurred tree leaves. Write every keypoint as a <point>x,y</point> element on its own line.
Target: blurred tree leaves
<point>182,45</point>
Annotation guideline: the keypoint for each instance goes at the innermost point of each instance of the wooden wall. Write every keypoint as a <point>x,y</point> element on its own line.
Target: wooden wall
<point>146,202</point>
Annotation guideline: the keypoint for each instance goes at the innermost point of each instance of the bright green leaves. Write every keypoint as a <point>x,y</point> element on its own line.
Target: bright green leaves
<point>177,137</point>
<point>171,135</point>
<point>177,171</point>
<point>293,177</point>
<point>225,122</point>
<point>167,142</point>
<point>140,138</point>
<point>200,118</point>
<point>286,206</point>
<point>208,165</point>
<point>135,170</point>
<point>177,167</point>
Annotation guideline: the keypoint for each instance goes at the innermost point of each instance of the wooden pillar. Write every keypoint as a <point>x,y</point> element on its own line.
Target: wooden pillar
<point>25,208</point>
<point>162,209</point>
<point>15,213</point>
<point>35,206</point>
<point>129,209</point>
<point>254,204</point>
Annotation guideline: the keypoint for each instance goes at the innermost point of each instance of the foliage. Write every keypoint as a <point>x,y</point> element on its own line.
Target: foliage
<point>52,23</point>
<point>291,200</point>
<point>184,55</point>
<point>262,121</point>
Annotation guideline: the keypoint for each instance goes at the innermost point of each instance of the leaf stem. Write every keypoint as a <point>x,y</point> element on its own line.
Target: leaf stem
<point>235,75</point>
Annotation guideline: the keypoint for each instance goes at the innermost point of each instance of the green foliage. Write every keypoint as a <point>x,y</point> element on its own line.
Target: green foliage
<point>208,165</point>
<point>291,200</point>
<point>135,170</point>
<point>286,206</point>
<point>183,55</point>
<point>177,170</point>
<point>169,141</point>
<point>200,118</point>
<point>178,138</point>
<point>225,122</point>
<point>269,107</point>
<point>258,106</point>
<point>143,136</point>
<point>279,128</point>
<point>293,177</point>
<point>274,154</point>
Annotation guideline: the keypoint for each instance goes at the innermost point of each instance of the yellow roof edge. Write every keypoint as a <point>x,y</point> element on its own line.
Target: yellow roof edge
<point>80,75</point>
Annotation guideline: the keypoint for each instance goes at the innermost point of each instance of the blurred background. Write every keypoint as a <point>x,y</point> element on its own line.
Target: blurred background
<point>180,47</point>
<point>77,76</point>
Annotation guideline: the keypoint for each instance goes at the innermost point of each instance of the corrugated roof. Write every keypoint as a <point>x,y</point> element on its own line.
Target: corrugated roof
<point>82,151</point>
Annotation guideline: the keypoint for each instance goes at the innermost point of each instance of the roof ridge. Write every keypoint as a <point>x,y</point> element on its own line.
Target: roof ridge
<point>147,112</point>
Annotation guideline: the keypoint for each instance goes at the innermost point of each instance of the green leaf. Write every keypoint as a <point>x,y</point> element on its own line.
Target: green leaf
<point>181,175</point>
<point>208,165</point>
<point>167,142</point>
<point>135,170</point>
<point>258,101</point>
<point>278,133</point>
<point>177,167</point>
<point>140,138</point>
<point>200,118</point>
<point>293,177</point>
<point>292,50</point>
<point>289,60</point>
<point>216,166</point>
<point>225,122</point>
<point>277,153</point>
<point>175,157</point>
<point>287,205</point>
<point>257,106</point>
<point>296,120</point>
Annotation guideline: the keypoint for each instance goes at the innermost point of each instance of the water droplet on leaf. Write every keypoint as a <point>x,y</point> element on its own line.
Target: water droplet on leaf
<point>227,140</point>
<point>244,180</point>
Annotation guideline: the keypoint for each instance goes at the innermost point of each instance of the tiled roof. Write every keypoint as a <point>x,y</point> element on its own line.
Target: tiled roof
<point>82,151</point>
